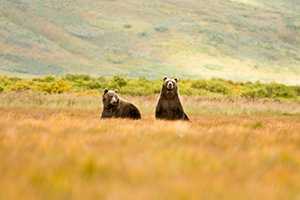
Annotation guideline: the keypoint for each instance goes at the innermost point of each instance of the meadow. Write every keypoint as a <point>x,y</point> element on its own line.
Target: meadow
<point>54,146</point>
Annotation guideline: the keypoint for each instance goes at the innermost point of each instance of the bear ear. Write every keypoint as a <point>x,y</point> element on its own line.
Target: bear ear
<point>165,78</point>
<point>105,91</point>
<point>176,79</point>
<point>116,91</point>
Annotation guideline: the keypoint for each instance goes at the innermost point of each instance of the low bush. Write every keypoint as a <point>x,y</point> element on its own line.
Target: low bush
<point>214,86</point>
<point>142,86</point>
<point>20,86</point>
<point>276,90</point>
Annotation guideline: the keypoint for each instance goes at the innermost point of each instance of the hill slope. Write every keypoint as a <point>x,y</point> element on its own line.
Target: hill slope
<point>237,39</point>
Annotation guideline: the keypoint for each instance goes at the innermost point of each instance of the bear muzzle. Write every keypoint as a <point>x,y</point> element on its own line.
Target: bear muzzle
<point>113,101</point>
<point>170,86</point>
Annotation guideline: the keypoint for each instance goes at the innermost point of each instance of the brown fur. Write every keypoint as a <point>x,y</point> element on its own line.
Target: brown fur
<point>115,107</point>
<point>169,106</point>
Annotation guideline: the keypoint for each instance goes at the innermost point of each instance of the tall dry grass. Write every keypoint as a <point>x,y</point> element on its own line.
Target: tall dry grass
<point>194,105</point>
<point>54,149</point>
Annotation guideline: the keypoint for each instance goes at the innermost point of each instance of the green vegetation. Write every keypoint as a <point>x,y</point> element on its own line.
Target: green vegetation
<point>144,87</point>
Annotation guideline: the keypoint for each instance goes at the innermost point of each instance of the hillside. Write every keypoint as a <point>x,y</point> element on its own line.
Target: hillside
<point>231,39</point>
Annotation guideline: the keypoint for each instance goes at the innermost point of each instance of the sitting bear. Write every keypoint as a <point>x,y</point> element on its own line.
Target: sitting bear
<point>115,107</point>
<point>169,106</point>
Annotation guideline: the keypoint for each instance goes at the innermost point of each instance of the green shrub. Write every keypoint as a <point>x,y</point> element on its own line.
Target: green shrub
<point>20,86</point>
<point>276,90</point>
<point>77,77</point>
<point>143,86</point>
<point>214,86</point>
<point>117,82</point>
<point>297,90</point>
<point>271,90</point>
<point>14,79</point>
<point>6,82</point>
<point>94,85</point>
<point>255,92</point>
<point>45,79</point>
<point>139,87</point>
<point>199,84</point>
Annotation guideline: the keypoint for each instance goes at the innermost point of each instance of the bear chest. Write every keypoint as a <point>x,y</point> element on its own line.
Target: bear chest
<point>169,105</point>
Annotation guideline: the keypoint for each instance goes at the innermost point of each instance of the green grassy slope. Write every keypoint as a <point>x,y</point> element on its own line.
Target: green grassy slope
<point>237,39</point>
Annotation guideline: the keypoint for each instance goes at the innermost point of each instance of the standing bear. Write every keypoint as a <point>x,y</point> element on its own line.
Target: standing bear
<point>169,106</point>
<point>115,107</point>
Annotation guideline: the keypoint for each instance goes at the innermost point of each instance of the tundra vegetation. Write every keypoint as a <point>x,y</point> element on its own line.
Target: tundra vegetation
<point>53,144</point>
<point>85,84</point>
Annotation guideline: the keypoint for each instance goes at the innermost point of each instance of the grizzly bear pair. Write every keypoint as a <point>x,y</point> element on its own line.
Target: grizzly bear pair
<point>168,107</point>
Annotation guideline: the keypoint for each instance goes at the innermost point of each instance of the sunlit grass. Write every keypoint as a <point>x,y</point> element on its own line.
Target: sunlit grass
<point>65,151</point>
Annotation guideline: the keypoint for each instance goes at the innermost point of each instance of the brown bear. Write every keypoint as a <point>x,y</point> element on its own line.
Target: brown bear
<point>115,107</point>
<point>169,106</point>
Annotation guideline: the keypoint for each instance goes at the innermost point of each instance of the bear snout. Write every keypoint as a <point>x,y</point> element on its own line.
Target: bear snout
<point>170,86</point>
<point>113,100</point>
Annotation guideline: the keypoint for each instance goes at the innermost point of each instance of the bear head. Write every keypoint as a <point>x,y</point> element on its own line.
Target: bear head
<point>170,86</point>
<point>110,98</point>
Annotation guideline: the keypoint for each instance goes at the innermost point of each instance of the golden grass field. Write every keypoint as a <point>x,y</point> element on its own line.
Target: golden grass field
<point>56,147</point>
